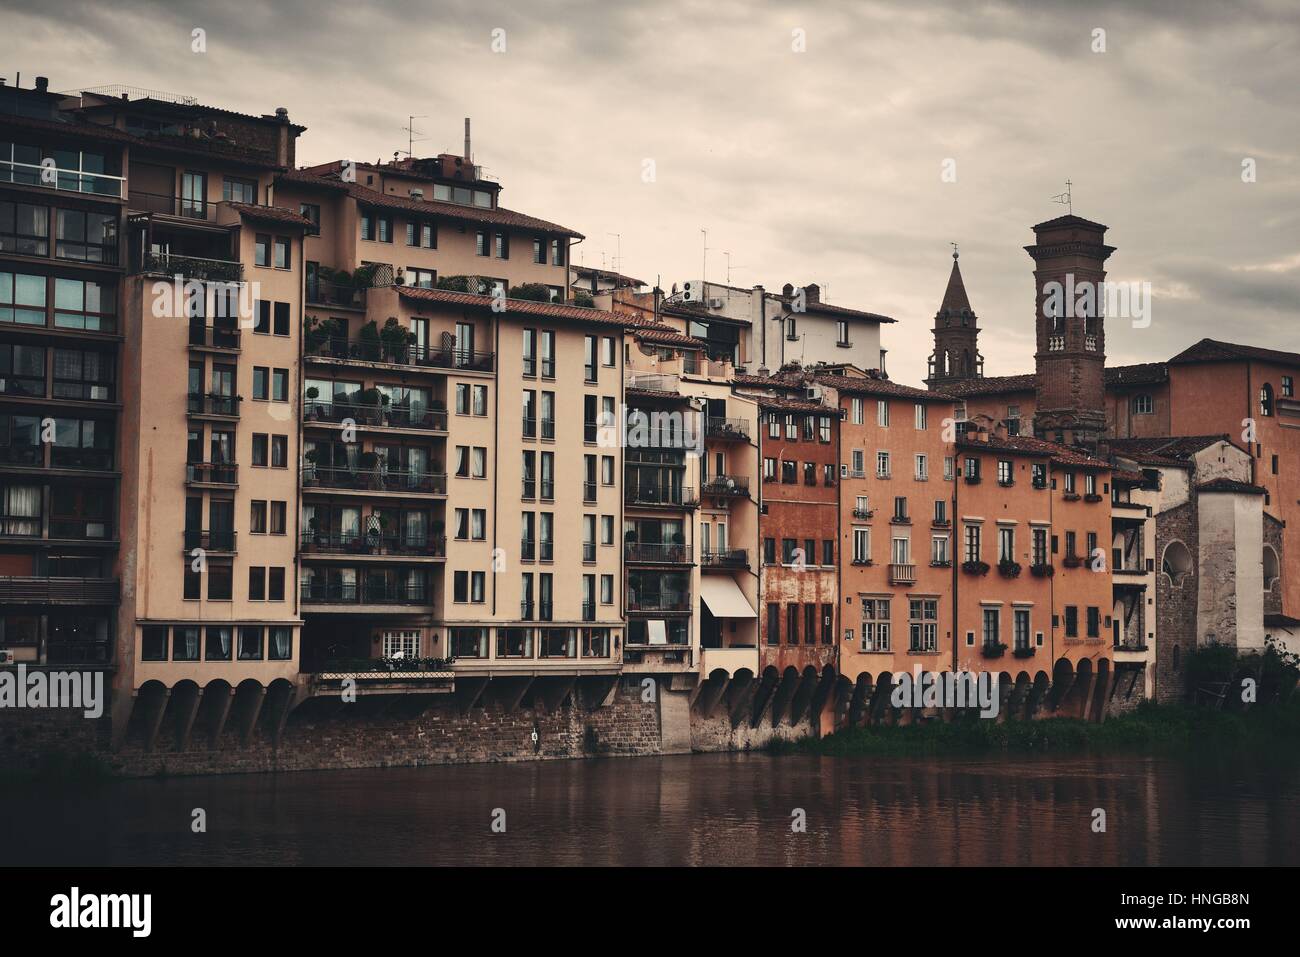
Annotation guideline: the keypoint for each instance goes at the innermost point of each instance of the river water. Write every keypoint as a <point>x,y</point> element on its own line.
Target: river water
<point>717,809</point>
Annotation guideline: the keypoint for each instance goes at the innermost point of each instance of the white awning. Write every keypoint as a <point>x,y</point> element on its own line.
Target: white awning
<point>724,597</point>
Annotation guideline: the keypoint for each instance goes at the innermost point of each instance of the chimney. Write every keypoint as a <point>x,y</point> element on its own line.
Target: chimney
<point>42,84</point>
<point>813,292</point>
<point>468,156</point>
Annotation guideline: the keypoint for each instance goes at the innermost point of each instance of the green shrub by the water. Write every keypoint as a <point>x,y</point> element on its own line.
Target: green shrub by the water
<point>1151,728</point>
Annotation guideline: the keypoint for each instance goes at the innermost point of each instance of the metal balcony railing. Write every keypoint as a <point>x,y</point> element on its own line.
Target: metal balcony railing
<point>77,529</point>
<point>401,417</point>
<point>677,496</point>
<point>729,558</point>
<point>213,337</point>
<point>64,180</point>
<point>374,480</point>
<point>99,460</point>
<point>39,590</point>
<point>364,593</point>
<point>653,553</point>
<point>214,540</point>
<point>166,204</point>
<point>902,574</point>
<point>202,268</point>
<point>659,602</point>
<point>324,292</point>
<point>211,404</point>
<point>211,473</point>
<point>373,543</point>
<point>737,485</point>
<point>377,350</point>
<point>731,429</point>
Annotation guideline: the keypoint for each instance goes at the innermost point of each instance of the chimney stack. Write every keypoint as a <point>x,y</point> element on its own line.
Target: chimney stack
<point>42,84</point>
<point>468,156</point>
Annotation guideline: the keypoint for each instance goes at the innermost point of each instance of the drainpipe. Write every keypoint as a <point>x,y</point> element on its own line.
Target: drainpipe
<point>954,544</point>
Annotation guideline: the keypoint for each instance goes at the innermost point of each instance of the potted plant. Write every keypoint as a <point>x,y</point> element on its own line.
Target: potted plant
<point>1042,571</point>
<point>396,340</point>
<point>994,649</point>
<point>369,342</point>
<point>1009,569</point>
<point>975,568</point>
<point>312,411</point>
<point>309,476</point>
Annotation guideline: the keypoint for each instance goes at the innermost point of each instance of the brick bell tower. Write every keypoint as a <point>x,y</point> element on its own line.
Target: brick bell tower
<point>956,356</point>
<point>1069,268</point>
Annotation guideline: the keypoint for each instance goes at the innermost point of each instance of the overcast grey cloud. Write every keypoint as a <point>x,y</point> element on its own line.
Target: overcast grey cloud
<point>815,166</point>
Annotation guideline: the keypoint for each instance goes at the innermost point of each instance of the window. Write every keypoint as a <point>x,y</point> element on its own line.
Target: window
<point>86,237</point>
<point>1006,544</point>
<point>788,547</point>
<point>607,352</point>
<point>384,228</point>
<point>311,211</point>
<point>1020,626</point>
<point>882,413</point>
<point>769,469</point>
<point>257,518</point>
<point>262,249</point>
<point>256,583</point>
<point>1069,483</point>
<point>281,318</point>
<point>500,246</point>
<point>773,623</point>
<point>1288,387</point>
<point>279,513</point>
<point>940,512</point>
<point>900,508</point>
<point>1070,543</point>
<point>972,468</point>
<point>260,449</point>
<point>923,624</point>
<point>261,380</point>
<point>1006,472</point>
<point>481,247</point>
<point>828,474</point>
<point>539,251</point>
<point>842,333</point>
<point>1039,536</point>
<point>281,252</point>
<point>824,429</point>
<point>280,385</point>
<point>882,465</point>
<point>1143,405</point>
<point>861,545</point>
<point>972,542</point>
<point>769,551</point>
<point>949,465</point>
<point>1089,483</point>
<point>921,416</point>
<point>1094,622</point>
<point>789,472</point>
<point>548,354</point>
<point>856,411</point>
<point>792,624</point>
<point>828,549</point>
<point>992,627</point>
<point>607,470</point>
<point>530,352</point>
<point>250,643</point>
<point>1266,400</point>
<point>185,643</point>
<point>237,190</point>
<point>220,578</point>
<point>78,304</point>
<point>557,252</point>
<point>153,643</point>
<point>875,624</point>
<point>1039,473</point>
<point>24,229</point>
<point>939,550</point>
<point>279,451</point>
<point>1071,621</point>
<point>192,586</point>
<point>922,466</point>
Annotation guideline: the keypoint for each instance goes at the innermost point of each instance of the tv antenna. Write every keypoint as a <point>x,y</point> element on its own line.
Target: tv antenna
<point>618,256</point>
<point>730,267</point>
<point>1064,198</point>
<point>704,269</point>
<point>411,131</point>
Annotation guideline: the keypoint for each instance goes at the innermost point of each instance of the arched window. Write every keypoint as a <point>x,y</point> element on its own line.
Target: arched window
<point>1177,561</point>
<point>1143,404</point>
<point>1266,399</point>
<point>1271,567</point>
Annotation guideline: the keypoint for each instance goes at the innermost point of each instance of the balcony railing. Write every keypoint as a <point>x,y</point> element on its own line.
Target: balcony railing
<point>193,267</point>
<point>364,593</point>
<point>729,558</point>
<point>31,590</point>
<point>376,350</point>
<point>679,496</point>
<point>323,292</point>
<point>211,473</point>
<point>65,180</point>
<point>374,543</point>
<point>166,204</point>
<point>729,429</point>
<point>902,574</point>
<point>660,602</point>
<point>210,540</point>
<point>401,417</point>
<point>98,460</point>
<point>657,554</point>
<point>375,480</point>
<point>213,337</point>
<point>210,404</point>
<point>737,485</point>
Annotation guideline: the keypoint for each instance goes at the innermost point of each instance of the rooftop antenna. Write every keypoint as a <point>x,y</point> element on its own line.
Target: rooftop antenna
<point>704,269</point>
<point>411,131</point>
<point>1064,198</point>
<point>618,257</point>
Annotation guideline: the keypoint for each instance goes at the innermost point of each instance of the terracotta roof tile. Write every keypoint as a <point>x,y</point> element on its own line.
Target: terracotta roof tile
<point>271,214</point>
<point>1228,485</point>
<point>525,307</point>
<point>1213,350</point>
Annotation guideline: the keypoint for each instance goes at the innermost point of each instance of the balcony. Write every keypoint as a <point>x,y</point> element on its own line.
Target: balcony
<point>666,496</point>
<point>902,574</point>
<point>213,406</point>
<point>377,350</point>
<point>204,474</point>
<point>727,559</point>
<point>661,602</point>
<point>202,268</point>
<point>373,543</point>
<point>731,486</point>
<point>222,339</point>
<point>30,590</point>
<point>63,180</point>
<point>323,292</point>
<point>92,460</point>
<point>166,204</point>
<point>374,480</point>
<point>378,415</point>
<point>726,429</point>
<point>77,529</point>
<point>650,553</point>
<point>364,593</point>
<point>219,541</point>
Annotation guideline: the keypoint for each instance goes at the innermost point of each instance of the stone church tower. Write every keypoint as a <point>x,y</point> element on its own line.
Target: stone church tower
<point>956,355</point>
<point>1069,268</point>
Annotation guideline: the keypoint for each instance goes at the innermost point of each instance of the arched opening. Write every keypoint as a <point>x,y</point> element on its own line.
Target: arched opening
<point>1176,562</point>
<point>1266,399</point>
<point>1272,568</point>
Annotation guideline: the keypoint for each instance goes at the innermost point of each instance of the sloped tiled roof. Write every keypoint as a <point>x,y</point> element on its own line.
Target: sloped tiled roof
<point>991,385</point>
<point>1229,485</point>
<point>1177,450</point>
<point>499,216</point>
<point>1143,373</point>
<point>526,307</point>
<point>271,214</point>
<point>954,297</point>
<point>782,404</point>
<point>1025,445</point>
<point>1214,350</point>
<point>866,385</point>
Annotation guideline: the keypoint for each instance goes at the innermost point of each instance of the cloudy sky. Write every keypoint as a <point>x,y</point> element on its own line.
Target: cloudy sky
<point>817,165</point>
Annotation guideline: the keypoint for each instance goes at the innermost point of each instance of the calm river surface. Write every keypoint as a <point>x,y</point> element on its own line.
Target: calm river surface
<point>729,809</point>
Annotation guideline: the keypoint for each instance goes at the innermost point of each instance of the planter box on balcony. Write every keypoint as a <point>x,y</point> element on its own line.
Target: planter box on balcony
<point>1009,569</point>
<point>1024,652</point>
<point>975,568</point>
<point>993,651</point>
<point>1071,496</point>
<point>1042,571</point>
<point>1072,561</point>
<point>1092,497</point>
